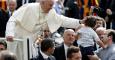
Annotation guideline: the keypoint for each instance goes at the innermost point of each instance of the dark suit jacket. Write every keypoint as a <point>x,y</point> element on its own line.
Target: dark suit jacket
<point>59,53</point>
<point>3,21</point>
<point>40,57</point>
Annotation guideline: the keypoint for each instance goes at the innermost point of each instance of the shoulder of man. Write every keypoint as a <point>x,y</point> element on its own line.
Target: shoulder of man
<point>111,53</point>
<point>60,46</point>
<point>52,58</point>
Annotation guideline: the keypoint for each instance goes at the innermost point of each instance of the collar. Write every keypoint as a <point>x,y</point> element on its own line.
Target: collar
<point>41,9</point>
<point>44,55</point>
<point>65,46</point>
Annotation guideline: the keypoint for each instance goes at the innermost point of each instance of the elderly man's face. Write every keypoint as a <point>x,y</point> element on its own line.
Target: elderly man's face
<point>12,5</point>
<point>47,5</point>
<point>69,37</point>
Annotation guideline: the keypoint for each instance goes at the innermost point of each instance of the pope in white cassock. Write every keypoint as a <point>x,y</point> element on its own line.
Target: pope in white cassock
<point>31,19</point>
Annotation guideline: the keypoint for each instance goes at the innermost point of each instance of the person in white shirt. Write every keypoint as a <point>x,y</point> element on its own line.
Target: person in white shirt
<point>31,19</point>
<point>86,37</point>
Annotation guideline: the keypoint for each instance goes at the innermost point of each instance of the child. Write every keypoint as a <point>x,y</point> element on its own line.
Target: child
<point>86,36</point>
<point>100,22</point>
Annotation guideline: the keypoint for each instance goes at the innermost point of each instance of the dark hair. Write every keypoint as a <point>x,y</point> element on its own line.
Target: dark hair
<point>3,42</point>
<point>112,33</point>
<point>46,44</point>
<point>71,50</point>
<point>7,55</point>
<point>90,21</point>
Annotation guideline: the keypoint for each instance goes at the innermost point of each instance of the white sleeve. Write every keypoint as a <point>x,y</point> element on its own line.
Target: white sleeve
<point>10,27</point>
<point>69,22</point>
<point>96,37</point>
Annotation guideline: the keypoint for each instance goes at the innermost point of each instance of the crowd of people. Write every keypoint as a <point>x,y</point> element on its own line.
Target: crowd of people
<point>59,30</point>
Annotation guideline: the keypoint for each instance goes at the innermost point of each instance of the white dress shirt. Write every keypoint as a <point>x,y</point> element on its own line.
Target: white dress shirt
<point>66,48</point>
<point>44,55</point>
<point>87,37</point>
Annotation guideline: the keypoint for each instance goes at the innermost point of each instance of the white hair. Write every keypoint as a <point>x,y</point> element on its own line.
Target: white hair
<point>69,30</point>
<point>101,29</point>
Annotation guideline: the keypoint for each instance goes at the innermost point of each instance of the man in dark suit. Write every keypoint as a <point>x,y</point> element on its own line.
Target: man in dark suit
<point>60,52</point>
<point>3,21</point>
<point>46,50</point>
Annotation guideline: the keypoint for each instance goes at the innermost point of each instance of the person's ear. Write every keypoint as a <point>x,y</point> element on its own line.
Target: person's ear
<point>110,39</point>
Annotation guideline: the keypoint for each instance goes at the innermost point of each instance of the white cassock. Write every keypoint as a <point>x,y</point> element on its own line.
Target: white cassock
<point>29,22</point>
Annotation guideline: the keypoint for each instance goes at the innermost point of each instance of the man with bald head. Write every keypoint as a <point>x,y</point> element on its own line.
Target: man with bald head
<point>60,51</point>
<point>30,20</point>
<point>100,32</point>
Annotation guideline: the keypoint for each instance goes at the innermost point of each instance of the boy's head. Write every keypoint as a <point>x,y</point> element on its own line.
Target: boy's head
<point>74,53</point>
<point>100,22</point>
<point>90,21</point>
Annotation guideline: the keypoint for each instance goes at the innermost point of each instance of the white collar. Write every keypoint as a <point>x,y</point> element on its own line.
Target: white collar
<point>65,46</point>
<point>44,55</point>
